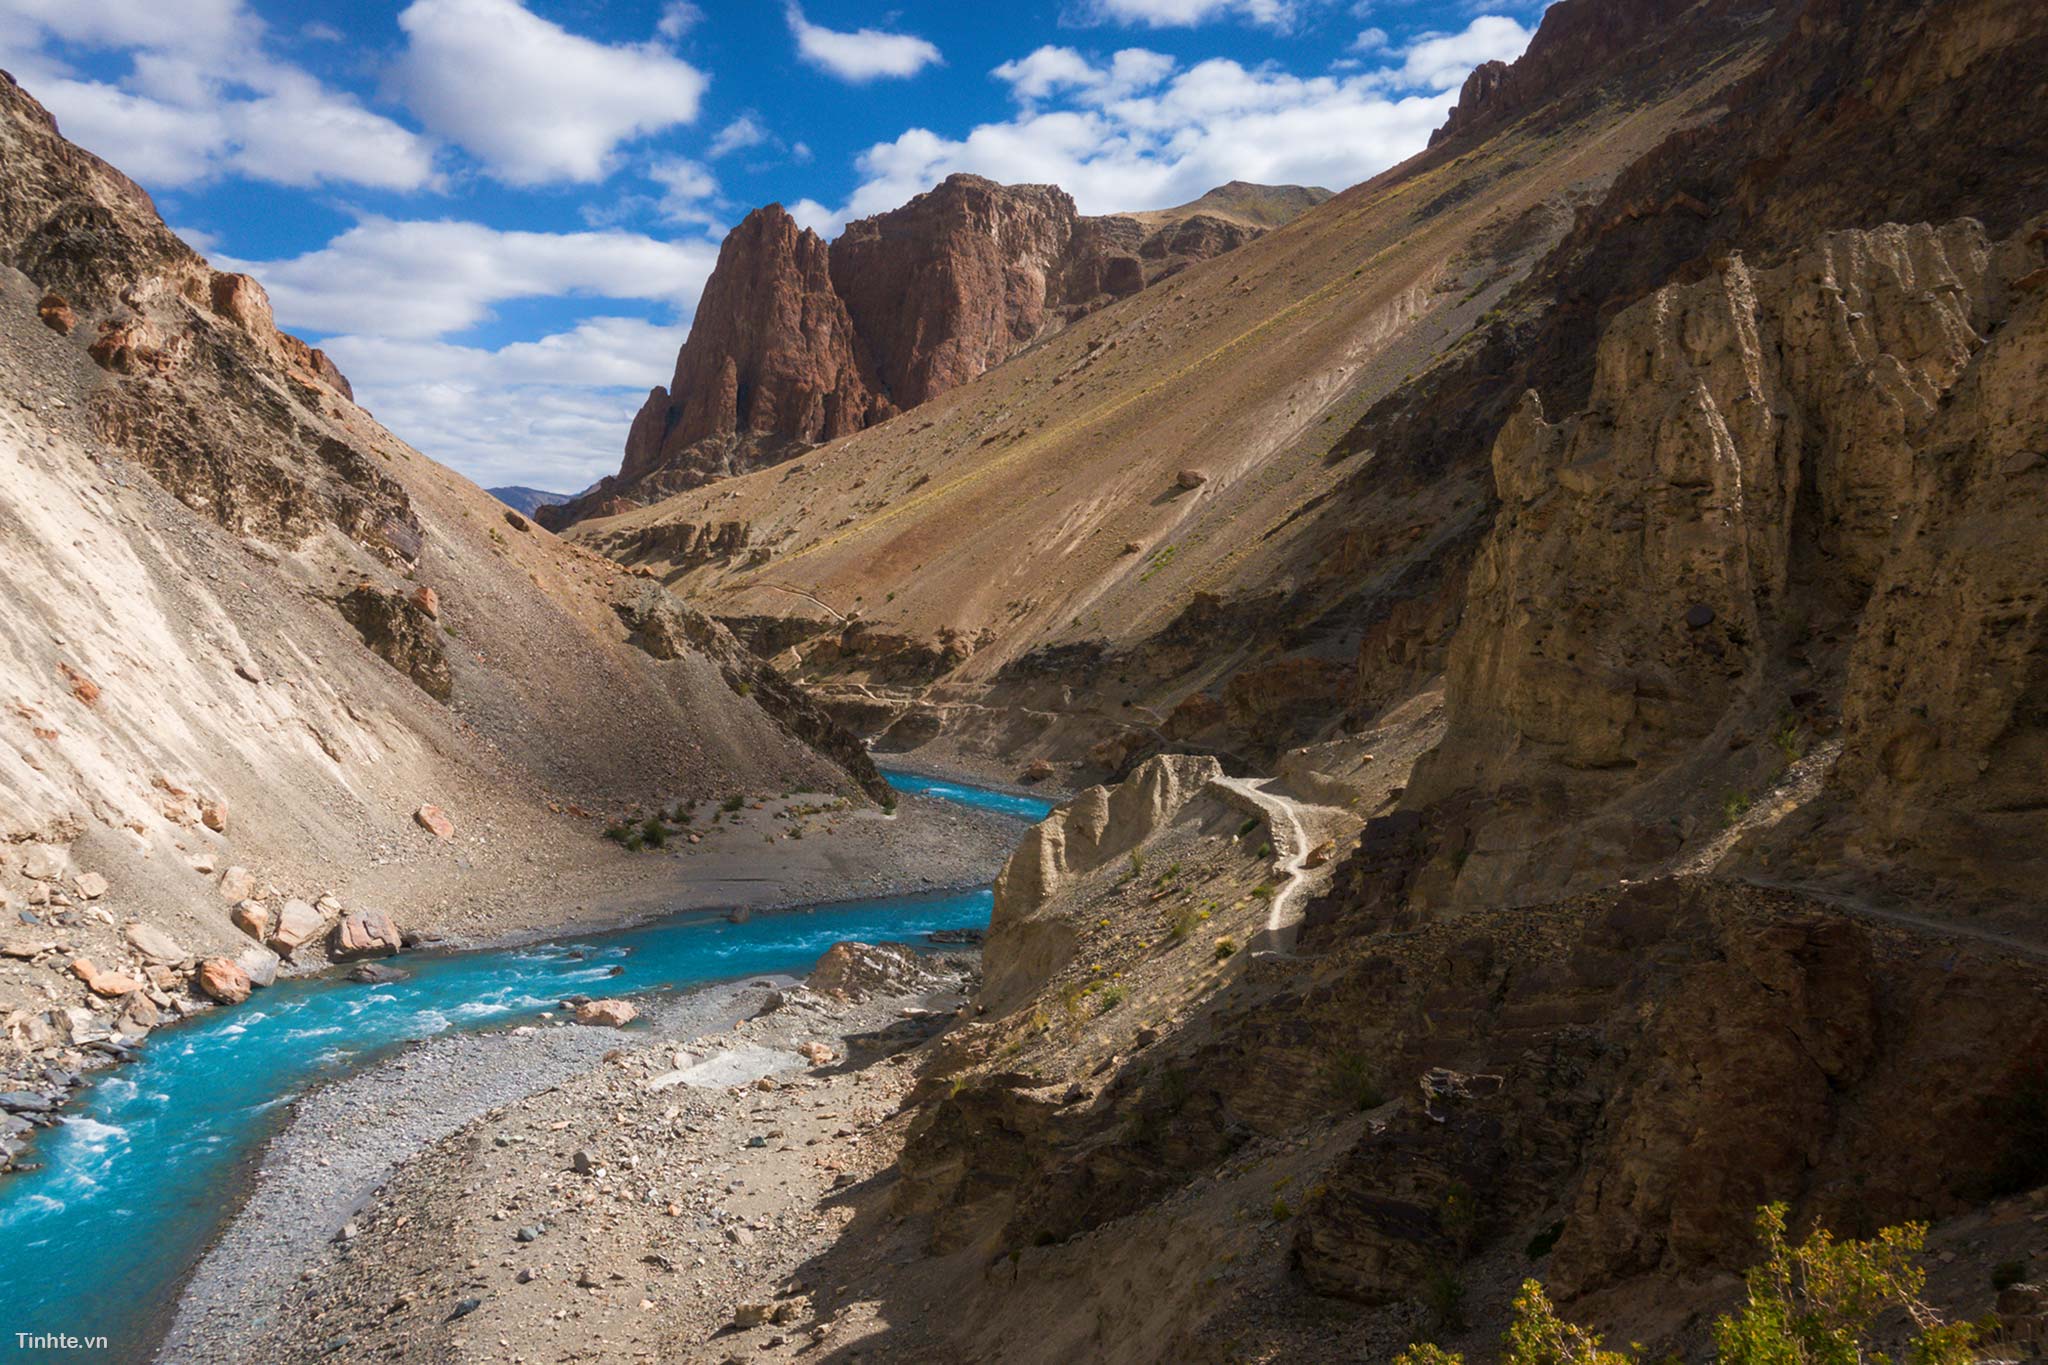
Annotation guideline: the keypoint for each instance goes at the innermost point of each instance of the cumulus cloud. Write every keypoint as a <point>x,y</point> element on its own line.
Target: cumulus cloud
<point>1188,13</point>
<point>688,190</point>
<point>203,98</point>
<point>860,56</point>
<point>1134,133</point>
<point>419,279</point>
<point>535,102</point>
<point>1440,61</point>
<point>1061,70</point>
<point>677,18</point>
<point>548,413</point>
<point>744,131</point>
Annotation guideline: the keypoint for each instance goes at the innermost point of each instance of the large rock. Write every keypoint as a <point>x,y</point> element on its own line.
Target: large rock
<point>402,635</point>
<point>607,1013</point>
<point>435,821</point>
<point>259,964</point>
<point>365,933</point>
<point>237,884</point>
<point>854,971</point>
<point>154,944</point>
<point>297,925</point>
<point>221,980</point>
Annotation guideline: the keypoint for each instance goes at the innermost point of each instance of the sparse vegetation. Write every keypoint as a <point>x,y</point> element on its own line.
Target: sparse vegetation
<point>1814,1304</point>
<point>1225,949</point>
<point>1734,806</point>
<point>1111,997</point>
<point>732,803</point>
<point>1353,1081</point>
<point>1248,826</point>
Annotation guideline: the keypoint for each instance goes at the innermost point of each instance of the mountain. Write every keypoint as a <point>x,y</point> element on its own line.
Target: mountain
<point>527,500</point>
<point>797,341</point>
<point>1613,542</point>
<point>263,657</point>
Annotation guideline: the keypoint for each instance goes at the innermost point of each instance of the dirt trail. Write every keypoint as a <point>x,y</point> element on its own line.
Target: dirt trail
<point>1297,828</point>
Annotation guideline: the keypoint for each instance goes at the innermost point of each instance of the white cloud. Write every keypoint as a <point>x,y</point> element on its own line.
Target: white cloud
<point>203,99</point>
<point>863,55</point>
<point>1051,70</point>
<point>534,101</point>
<point>1188,13</point>
<point>688,190</point>
<point>1372,40</point>
<point>420,280</point>
<point>677,18</point>
<point>1440,61</point>
<point>815,216</point>
<point>1135,135</point>
<point>741,133</point>
<point>550,413</point>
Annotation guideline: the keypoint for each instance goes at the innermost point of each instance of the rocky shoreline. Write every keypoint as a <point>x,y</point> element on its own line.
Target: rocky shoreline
<point>927,845</point>
<point>513,1173</point>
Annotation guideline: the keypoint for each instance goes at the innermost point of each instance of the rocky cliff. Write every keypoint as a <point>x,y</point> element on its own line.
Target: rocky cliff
<point>267,671</point>
<point>797,342</point>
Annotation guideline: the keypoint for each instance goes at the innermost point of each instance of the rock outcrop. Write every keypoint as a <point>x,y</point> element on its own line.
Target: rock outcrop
<point>1098,827</point>
<point>1801,497</point>
<point>797,342</point>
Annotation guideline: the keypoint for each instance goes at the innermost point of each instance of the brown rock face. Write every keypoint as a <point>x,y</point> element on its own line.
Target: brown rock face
<point>772,363</point>
<point>797,342</point>
<point>221,981</point>
<point>607,1013</point>
<point>400,632</point>
<point>366,933</point>
<point>1773,462</point>
<point>56,314</point>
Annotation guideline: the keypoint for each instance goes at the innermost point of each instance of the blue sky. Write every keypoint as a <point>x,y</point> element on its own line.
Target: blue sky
<point>497,214</point>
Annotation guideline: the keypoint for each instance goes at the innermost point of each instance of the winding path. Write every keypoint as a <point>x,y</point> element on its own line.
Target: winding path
<point>1297,827</point>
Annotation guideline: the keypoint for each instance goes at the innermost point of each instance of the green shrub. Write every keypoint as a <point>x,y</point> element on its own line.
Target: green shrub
<point>1351,1078</point>
<point>1111,997</point>
<point>1248,826</point>
<point>654,834</point>
<point>1225,948</point>
<point>732,803</point>
<point>1814,1304</point>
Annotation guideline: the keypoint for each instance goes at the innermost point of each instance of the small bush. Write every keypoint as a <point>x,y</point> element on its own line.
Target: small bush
<point>1111,997</point>
<point>1265,851</point>
<point>1542,1242</point>
<point>1734,806</point>
<point>732,803</point>
<point>1444,1294</point>
<point>1352,1080</point>
<point>1281,1213</point>
<point>654,834</point>
<point>1248,826</point>
<point>618,834</point>
<point>1181,922</point>
<point>1225,948</point>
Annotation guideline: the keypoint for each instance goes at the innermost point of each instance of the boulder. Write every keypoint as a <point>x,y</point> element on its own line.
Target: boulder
<point>428,601</point>
<point>214,815</point>
<point>607,1013</point>
<point>435,821</point>
<point>1190,478</point>
<point>817,1054</point>
<point>376,974</point>
<point>259,964</point>
<point>1038,770</point>
<point>237,884</point>
<point>112,985</point>
<point>297,925</point>
<point>366,933</point>
<point>853,971</point>
<point>154,944</point>
<point>219,979</point>
<point>56,313</point>
<point>44,863</point>
<point>252,918</point>
<point>91,885</point>
<point>140,1014</point>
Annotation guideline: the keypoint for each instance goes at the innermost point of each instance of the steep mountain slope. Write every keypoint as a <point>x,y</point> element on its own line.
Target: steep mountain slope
<point>527,500</point>
<point>797,342</point>
<point>1169,495</point>
<point>255,649</point>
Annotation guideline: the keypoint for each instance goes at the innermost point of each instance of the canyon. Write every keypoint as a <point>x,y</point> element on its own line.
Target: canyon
<point>1533,668</point>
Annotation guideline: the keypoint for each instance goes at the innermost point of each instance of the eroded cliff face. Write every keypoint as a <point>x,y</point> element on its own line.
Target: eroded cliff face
<point>797,342</point>
<point>1798,503</point>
